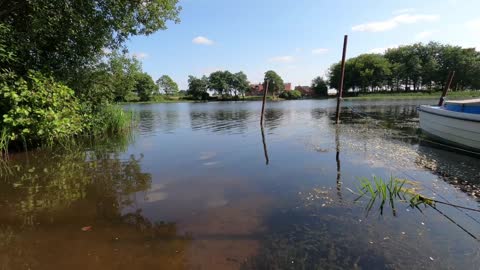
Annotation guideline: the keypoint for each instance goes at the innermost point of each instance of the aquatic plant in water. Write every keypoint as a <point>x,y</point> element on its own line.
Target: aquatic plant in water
<point>394,189</point>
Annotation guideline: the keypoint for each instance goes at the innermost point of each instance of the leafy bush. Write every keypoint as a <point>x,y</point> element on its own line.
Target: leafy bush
<point>38,110</point>
<point>294,94</point>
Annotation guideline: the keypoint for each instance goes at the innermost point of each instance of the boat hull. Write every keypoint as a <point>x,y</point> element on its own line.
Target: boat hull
<point>455,128</point>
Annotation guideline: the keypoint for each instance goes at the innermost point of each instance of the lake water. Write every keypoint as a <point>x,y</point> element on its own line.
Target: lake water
<point>201,186</point>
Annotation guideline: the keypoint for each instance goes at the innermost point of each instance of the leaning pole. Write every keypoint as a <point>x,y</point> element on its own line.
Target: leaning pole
<point>342,77</point>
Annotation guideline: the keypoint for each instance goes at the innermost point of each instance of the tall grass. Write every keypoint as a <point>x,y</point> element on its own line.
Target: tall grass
<point>117,119</point>
<point>113,119</point>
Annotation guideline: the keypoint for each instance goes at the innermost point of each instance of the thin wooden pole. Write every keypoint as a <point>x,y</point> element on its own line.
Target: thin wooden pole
<point>451,74</point>
<point>342,77</point>
<point>263,103</point>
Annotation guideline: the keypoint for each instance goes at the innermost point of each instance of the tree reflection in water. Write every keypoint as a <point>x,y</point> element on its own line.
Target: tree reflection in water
<point>46,198</point>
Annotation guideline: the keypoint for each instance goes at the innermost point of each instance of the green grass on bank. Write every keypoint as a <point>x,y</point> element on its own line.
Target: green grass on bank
<point>418,95</point>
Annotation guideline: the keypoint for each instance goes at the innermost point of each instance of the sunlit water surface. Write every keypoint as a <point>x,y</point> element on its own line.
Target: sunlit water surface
<point>200,186</point>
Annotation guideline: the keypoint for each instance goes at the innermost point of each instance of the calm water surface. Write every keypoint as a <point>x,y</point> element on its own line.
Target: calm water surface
<point>201,186</point>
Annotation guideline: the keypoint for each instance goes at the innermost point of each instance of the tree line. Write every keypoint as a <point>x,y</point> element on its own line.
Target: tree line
<point>226,84</point>
<point>417,67</point>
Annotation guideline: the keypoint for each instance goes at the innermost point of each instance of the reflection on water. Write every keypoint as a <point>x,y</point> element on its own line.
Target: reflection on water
<point>189,189</point>
<point>265,151</point>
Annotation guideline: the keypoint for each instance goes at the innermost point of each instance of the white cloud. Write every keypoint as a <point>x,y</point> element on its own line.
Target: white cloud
<point>319,51</point>
<point>404,10</point>
<point>424,35</point>
<point>282,59</point>
<point>383,49</point>
<point>473,24</point>
<point>202,41</point>
<point>140,55</point>
<point>381,26</point>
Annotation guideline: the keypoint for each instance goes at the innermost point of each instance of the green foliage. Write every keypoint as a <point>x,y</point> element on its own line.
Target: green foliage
<point>293,94</point>
<point>38,109</point>
<point>167,85</point>
<point>110,119</point>
<point>70,41</point>
<point>197,88</point>
<point>145,87</point>
<point>123,70</point>
<point>275,82</point>
<point>417,67</point>
<point>319,87</point>
<point>61,37</point>
<point>225,83</point>
<point>220,82</point>
<point>7,53</point>
<point>240,83</point>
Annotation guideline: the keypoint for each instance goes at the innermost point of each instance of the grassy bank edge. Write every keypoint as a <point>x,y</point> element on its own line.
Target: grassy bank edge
<point>450,95</point>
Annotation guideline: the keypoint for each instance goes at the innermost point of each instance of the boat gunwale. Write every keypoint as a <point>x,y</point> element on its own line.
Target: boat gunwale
<point>422,109</point>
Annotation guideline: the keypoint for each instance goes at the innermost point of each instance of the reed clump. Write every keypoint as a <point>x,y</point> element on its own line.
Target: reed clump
<point>390,191</point>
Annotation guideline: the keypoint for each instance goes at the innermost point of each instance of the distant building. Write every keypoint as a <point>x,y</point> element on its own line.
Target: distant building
<point>257,89</point>
<point>305,90</point>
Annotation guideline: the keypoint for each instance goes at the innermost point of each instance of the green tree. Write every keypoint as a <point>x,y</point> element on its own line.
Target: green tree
<point>408,66</point>
<point>373,70</point>
<point>62,37</point>
<point>167,85</point>
<point>351,80</point>
<point>319,87</point>
<point>145,87</point>
<point>275,82</point>
<point>240,83</point>
<point>123,71</point>
<point>221,82</point>
<point>198,87</point>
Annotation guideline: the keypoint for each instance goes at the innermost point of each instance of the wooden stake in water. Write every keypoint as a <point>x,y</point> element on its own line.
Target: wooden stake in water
<point>447,86</point>
<point>263,104</point>
<point>342,77</point>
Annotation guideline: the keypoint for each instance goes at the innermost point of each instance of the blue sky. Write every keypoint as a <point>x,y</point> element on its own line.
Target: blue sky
<point>298,39</point>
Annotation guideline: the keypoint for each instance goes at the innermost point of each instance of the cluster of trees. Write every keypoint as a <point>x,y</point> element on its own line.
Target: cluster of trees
<point>223,83</point>
<point>121,79</point>
<point>417,67</point>
<point>226,84</point>
<point>55,50</point>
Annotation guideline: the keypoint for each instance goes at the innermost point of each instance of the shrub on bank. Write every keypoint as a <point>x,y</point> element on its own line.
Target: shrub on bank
<point>37,110</point>
<point>294,94</point>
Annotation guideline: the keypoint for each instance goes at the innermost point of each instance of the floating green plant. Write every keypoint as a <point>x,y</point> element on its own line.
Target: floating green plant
<point>388,192</point>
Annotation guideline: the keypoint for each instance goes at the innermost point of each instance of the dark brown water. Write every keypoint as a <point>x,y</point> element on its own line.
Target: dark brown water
<point>200,186</point>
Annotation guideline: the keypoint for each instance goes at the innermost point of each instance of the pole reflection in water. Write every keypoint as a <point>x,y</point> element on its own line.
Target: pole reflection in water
<point>264,145</point>
<point>337,157</point>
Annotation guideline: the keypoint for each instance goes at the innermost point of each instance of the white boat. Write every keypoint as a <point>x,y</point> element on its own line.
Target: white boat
<point>456,123</point>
